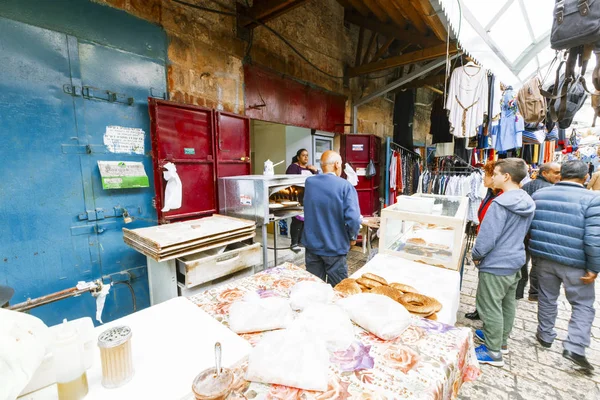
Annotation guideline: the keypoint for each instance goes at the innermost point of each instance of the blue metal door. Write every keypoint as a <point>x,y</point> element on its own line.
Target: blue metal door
<point>57,225</point>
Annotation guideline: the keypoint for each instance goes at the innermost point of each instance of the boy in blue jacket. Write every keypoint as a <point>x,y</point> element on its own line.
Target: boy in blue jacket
<point>499,254</point>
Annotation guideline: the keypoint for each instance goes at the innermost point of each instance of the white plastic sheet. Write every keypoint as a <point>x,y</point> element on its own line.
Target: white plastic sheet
<point>23,342</point>
<point>377,314</point>
<point>253,314</point>
<point>174,189</point>
<point>328,323</point>
<point>291,358</point>
<point>306,293</point>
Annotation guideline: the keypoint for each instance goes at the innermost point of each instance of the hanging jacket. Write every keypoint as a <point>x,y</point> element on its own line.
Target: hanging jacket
<point>566,226</point>
<point>500,244</point>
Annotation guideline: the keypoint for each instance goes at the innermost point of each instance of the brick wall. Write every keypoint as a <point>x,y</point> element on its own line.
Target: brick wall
<point>205,54</point>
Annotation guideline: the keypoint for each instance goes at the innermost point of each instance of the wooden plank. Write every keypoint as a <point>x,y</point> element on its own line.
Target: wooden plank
<point>358,5</point>
<point>369,47</point>
<point>194,250</point>
<point>191,242</point>
<point>407,35</point>
<point>413,15</point>
<point>361,35</point>
<point>404,59</point>
<point>381,51</point>
<point>179,232</point>
<point>266,10</point>
<point>432,19</point>
<point>395,14</point>
<point>377,10</point>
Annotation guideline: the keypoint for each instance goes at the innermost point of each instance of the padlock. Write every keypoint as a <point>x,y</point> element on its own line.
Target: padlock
<point>126,218</point>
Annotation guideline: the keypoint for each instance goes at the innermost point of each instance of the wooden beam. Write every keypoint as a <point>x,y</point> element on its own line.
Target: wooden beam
<point>369,47</point>
<point>415,18</point>
<point>433,20</point>
<point>358,5</point>
<point>266,10</point>
<point>394,13</point>
<point>408,35</point>
<point>430,80</point>
<point>381,51</point>
<point>404,59</point>
<point>361,34</point>
<point>377,10</point>
<point>344,3</point>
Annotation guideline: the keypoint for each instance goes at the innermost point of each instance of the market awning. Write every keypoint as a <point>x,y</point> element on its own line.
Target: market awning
<point>509,37</point>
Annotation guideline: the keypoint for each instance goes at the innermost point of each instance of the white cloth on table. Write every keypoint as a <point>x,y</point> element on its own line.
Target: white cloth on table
<point>467,100</point>
<point>253,314</point>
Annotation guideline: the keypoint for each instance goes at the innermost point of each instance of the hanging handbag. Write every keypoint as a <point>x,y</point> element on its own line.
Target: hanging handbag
<point>575,23</point>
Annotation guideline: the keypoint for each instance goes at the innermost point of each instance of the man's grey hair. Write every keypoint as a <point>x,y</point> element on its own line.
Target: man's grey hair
<point>575,169</point>
<point>547,167</point>
<point>332,158</point>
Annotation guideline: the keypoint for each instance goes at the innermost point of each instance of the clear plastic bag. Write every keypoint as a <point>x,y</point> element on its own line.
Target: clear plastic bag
<point>306,293</point>
<point>329,323</point>
<point>291,358</point>
<point>377,314</point>
<point>253,314</point>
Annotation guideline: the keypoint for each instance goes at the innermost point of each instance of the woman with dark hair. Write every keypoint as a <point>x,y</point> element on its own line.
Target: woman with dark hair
<point>492,193</point>
<point>299,166</point>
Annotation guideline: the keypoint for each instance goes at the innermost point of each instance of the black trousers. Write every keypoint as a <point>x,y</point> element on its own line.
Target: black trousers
<point>335,268</point>
<point>525,276</point>
<point>296,229</point>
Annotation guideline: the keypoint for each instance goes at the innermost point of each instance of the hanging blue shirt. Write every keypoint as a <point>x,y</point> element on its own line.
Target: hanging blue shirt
<point>512,125</point>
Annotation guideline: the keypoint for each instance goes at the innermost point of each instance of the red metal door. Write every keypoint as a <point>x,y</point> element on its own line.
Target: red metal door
<point>233,144</point>
<point>184,135</point>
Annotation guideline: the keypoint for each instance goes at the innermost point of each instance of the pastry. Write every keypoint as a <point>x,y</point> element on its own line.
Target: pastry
<point>418,303</point>
<point>437,304</point>
<point>347,280</point>
<point>370,283</point>
<point>364,289</point>
<point>375,278</point>
<point>348,288</point>
<point>439,246</point>
<point>403,288</point>
<point>417,241</point>
<point>432,317</point>
<point>390,292</point>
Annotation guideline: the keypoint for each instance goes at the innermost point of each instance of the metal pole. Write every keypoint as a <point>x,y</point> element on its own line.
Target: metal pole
<point>275,226</point>
<point>387,171</point>
<point>50,298</point>
<point>264,247</point>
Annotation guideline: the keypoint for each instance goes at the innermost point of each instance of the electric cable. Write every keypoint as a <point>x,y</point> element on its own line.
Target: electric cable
<point>273,31</point>
<point>133,298</point>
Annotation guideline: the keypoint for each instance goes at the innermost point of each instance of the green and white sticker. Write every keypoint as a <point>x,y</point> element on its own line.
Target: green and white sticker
<point>122,174</point>
<point>189,150</point>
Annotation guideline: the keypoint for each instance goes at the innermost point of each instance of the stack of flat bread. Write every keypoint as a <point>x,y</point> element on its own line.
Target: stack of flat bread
<point>416,303</point>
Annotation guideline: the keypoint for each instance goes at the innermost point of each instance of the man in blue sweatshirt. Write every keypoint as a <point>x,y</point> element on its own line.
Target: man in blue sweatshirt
<point>331,220</point>
<point>565,242</point>
<point>499,253</point>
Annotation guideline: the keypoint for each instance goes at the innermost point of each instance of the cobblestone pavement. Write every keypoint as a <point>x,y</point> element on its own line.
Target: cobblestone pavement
<point>530,371</point>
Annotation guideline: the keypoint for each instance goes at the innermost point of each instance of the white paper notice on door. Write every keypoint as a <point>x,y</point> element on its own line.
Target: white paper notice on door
<point>120,139</point>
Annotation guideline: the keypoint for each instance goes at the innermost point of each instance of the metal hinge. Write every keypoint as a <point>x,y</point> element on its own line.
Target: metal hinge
<point>89,92</point>
<point>72,90</point>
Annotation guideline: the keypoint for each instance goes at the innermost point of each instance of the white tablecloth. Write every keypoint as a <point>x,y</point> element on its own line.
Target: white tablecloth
<point>442,284</point>
<point>172,342</point>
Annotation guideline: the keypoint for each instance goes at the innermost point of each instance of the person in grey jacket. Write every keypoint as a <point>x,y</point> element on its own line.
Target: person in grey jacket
<point>499,253</point>
<point>565,242</point>
<point>548,175</point>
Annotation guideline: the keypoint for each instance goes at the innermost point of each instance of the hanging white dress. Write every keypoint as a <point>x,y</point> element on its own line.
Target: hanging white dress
<point>467,100</point>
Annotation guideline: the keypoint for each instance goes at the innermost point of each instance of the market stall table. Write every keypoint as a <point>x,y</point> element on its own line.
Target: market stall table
<point>172,342</point>
<point>430,360</point>
<point>440,283</point>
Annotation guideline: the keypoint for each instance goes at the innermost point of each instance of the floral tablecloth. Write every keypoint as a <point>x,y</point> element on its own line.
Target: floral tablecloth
<point>430,360</point>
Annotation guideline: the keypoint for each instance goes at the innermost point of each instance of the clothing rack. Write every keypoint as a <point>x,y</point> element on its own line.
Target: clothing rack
<point>389,146</point>
<point>457,164</point>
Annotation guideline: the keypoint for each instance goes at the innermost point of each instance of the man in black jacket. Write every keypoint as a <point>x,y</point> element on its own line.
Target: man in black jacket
<point>548,175</point>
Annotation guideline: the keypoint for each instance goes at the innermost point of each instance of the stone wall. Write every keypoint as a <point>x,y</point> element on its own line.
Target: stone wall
<point>205,54</point>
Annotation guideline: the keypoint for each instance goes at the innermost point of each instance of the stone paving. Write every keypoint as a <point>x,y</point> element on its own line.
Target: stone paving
<point>530,372</point>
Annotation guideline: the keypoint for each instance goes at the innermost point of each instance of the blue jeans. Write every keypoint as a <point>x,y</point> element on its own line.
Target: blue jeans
<point>334,269</point>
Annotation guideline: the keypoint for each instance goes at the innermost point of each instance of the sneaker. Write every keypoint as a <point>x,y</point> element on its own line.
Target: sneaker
<point>581,361</point>
<point>533,297</point>
<point>486,356</point>
<point>480,335</point>
<point>472,315</point>
<point>544,344</point>
<point>295,248</point>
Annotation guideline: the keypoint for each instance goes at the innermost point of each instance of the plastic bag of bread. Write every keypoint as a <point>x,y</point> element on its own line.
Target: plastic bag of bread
<point>306,293</point>
<point>329,323</point>
<point>253,314</point>
<point>291,357</point>
<point>377,314</point>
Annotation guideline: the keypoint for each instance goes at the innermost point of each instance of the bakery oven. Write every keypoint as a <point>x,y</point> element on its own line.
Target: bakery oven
<point>262,199</point>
